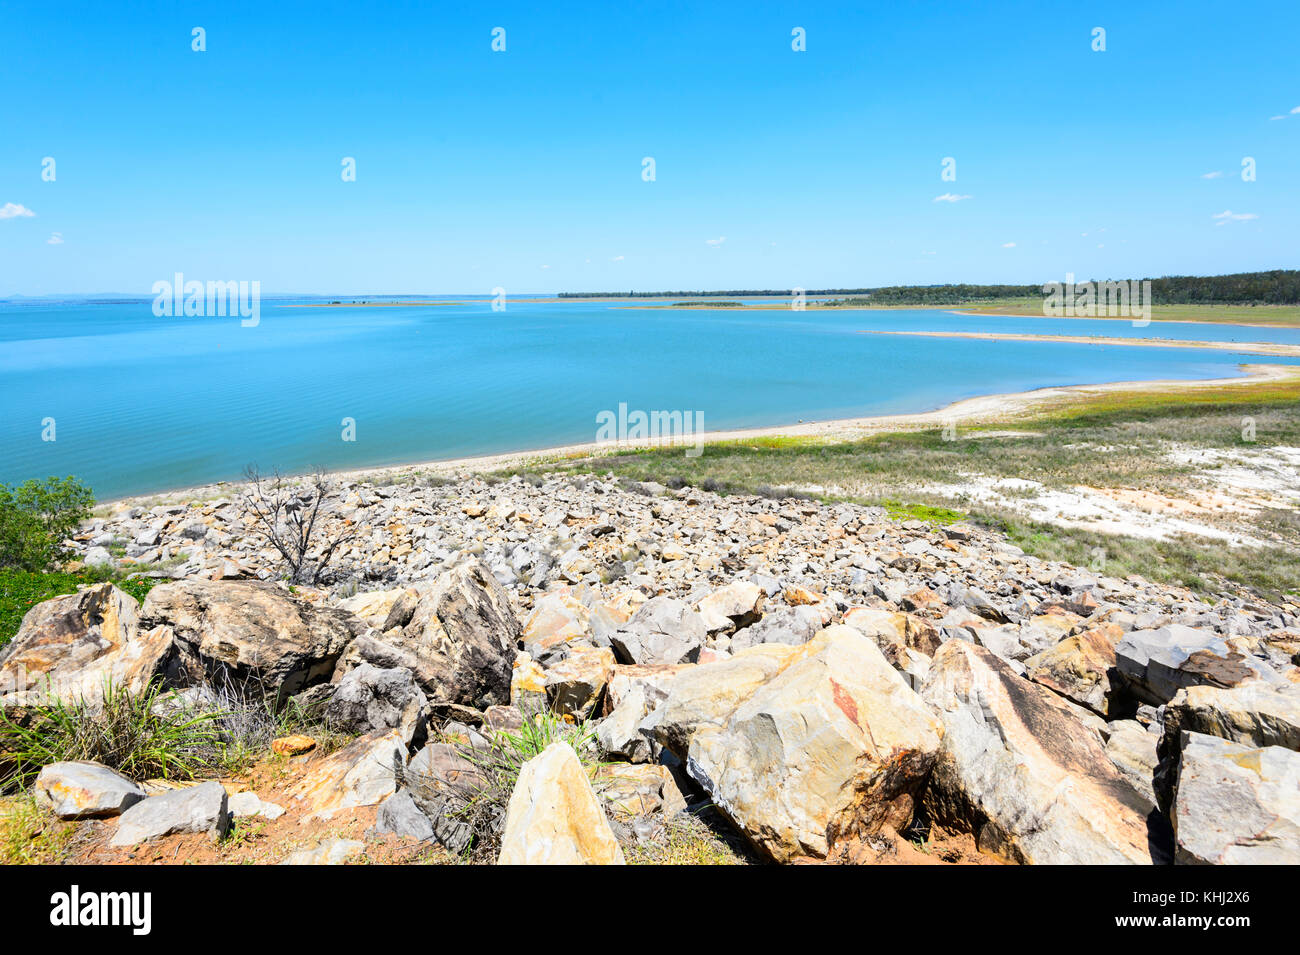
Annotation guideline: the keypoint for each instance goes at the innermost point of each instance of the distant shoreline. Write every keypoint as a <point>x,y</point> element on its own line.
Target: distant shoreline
<point>982,409</point>
<point>1251,348</point>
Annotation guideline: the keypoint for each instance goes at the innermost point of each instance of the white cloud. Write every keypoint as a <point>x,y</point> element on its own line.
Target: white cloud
<point>1227,215</point>
<point>546,266</point>
<point>12,210</point>
<point>1271,118</point>
<point>951,197</point>
<point>1217,174</point>
<point>1295,110</point>
<point>716,242</point>
<point>56,238</point>
<point>617,258</point>
<point>929,253</point>
<point>1008,245</point>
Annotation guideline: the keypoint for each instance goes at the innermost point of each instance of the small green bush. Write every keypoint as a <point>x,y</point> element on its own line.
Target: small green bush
<point>36,517</point>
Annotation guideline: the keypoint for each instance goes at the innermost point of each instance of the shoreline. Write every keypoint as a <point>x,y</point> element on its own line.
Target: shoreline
<point>1277,349</point>
<point>979,409</point>
<point>963,311</point>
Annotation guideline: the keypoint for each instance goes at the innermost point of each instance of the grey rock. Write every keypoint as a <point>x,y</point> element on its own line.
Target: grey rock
<point>80,789</point>
<point>373,698</point>
<point>1236,804</point>
<point>202,808</point>
<point>400,816</point>
<point>663,630</point>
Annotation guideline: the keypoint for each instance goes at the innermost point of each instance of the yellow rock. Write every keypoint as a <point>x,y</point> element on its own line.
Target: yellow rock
<point>554,816</point>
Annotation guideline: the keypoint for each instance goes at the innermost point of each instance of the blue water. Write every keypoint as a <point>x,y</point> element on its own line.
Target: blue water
<point>144,404</point>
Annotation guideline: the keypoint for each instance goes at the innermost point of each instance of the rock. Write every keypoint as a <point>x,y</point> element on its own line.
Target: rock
<point>294,745</point>
<point>503,719</point>
<point>707,694</point>
<point>664,630</point>
<point>575,684</point>
<point>459,641</point>
<point>400,816</point>
<point>1236,804</point>
<point>332,851</point>
<point>527,685</point>
<point>554,817</point>
<point>252,632</point>
<point>797,596</point>
<point>363,773</point>
<point>556,620</point>
<point>1079,667</point>
<point>71,647</point>
<point>201,808</point>
<point>888,628</point>
<point>373,608</point>
<point>1133,751</point>
<point>1022,772</point>
<point>1255,714</point>
<point>834,746</point>
<point>619,734</point>
<point>1156,664</point>
<point>441,781</point>
<point>248,804</point>
<point>735,605</point>
<point>639,790</point>
<point>370,698</point>
<point>80,789</point>
<point>789,625</point>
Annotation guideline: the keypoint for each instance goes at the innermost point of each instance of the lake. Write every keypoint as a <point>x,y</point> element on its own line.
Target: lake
<point>143,404</point>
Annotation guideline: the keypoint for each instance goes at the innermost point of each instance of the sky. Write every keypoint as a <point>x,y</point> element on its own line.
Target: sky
<point>523,168</point>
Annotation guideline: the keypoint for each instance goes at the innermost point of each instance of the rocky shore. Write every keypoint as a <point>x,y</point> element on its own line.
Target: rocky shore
<point>836,683</point>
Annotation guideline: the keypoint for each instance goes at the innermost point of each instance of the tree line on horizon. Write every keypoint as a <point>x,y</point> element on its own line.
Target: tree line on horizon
<point>1275,287</point>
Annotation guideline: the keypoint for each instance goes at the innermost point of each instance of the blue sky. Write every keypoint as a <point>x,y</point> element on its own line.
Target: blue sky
<point>522,169</point>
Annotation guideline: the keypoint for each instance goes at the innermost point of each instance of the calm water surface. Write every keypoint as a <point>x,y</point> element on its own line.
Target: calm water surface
<point>143,404</point>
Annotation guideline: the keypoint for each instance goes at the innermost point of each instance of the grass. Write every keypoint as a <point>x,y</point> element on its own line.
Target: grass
<point>1108,440</point>
<point>123,732</point>
<point>30,834</point>
<point>691,839</point>
<point>20,590</point>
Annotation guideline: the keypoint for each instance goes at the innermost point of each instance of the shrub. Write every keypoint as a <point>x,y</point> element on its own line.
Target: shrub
<point>126,732</point>
<point>36,517</point>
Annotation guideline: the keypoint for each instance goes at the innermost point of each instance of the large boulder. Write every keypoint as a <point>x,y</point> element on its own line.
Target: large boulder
<point>1022,771</point>
<point>72,647</point>
<point>371,698</point>
<point>1235,803</point>
<point>459,640</point>
<point>833,747</point>
<point>554,817</point>
<point>1156,664</point>
<point>705,695</point>
<point>442,781</point>
<point>1079,668</point>
<point>664,630</point>
<point>1256,714</point>
<point>80,789</point>
<point>252,632</point>
<point>894,628</point>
